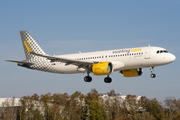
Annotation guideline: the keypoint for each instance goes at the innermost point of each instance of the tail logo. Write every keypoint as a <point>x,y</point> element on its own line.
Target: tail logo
<point>27,47</point>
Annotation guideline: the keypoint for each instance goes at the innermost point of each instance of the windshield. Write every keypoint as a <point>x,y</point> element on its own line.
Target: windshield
<point>162,51</point>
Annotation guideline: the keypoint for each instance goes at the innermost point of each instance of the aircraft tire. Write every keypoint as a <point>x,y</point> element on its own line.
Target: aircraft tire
<point>153,75</point>
<point>110,80</point>
<point>107,80</point>
<point>87,79</point>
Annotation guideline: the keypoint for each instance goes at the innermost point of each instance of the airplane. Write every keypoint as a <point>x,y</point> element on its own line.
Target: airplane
<point>129,61</point>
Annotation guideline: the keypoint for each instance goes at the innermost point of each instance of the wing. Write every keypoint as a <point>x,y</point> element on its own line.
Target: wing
<point>80,64</point>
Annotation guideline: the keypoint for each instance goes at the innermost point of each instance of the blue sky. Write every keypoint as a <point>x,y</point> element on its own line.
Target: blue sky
<point>62,27</point>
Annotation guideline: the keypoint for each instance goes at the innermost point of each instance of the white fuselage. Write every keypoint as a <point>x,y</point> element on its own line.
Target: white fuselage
<point>121,59</point>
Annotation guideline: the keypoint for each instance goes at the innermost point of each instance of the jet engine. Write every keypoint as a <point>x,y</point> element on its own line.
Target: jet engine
<point>102,68</point>
<point>132,72</point>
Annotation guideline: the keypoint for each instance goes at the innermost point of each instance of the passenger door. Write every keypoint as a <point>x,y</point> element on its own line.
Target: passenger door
<point>147,53</point>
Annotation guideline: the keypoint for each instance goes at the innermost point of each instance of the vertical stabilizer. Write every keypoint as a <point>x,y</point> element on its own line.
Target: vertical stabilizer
<point>30,44</point>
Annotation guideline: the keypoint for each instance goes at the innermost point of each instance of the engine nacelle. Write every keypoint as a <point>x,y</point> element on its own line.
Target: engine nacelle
<point>132,72</point>
<point>102,68</point>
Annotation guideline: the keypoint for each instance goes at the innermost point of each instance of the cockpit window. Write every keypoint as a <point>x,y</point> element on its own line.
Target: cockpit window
<point>162,51</point>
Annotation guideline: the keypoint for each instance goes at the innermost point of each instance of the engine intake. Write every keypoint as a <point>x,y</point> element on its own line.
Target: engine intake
<point>132,72</point>
<point>102,68</point>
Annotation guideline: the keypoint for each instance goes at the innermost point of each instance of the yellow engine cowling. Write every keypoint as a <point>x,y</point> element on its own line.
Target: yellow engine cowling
<point>102,68</point>
<point>132,72</point>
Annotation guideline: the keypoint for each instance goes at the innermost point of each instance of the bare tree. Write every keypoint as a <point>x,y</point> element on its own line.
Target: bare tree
<point>9,109</point>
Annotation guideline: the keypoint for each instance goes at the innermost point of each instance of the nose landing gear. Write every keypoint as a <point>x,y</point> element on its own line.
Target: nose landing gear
<point>152,74</point>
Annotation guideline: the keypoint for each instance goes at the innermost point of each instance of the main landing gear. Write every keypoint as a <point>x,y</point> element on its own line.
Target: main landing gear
<point>152,74</point>
<point>107,79</point>
<point>89,79</point>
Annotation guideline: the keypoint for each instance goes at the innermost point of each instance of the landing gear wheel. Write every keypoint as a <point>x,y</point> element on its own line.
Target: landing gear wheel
<point>90,79</point>
<point>87,79</point>
<point>153,75</point>
<point>107,80</point>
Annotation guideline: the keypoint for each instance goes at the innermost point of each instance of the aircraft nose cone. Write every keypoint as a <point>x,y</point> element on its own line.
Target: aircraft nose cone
<point>172,58</point>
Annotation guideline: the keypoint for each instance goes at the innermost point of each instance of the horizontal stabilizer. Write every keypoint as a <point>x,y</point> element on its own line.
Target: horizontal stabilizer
<point>22,62</point>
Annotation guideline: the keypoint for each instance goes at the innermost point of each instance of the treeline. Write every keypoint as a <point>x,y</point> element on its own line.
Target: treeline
<point>91,106</point>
